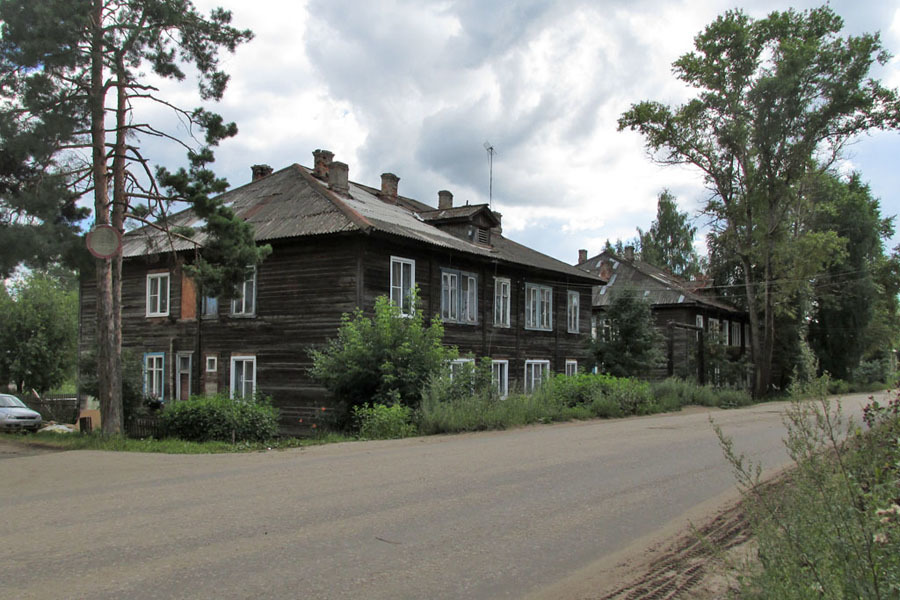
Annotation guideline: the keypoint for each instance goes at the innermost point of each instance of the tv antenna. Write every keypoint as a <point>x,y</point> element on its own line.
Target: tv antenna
<point>490,150</point>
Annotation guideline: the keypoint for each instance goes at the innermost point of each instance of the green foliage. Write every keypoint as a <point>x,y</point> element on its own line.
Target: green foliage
<point>831,529</point>
<point>872,371</point>
<point>669,243</point>
<point>847,295</point>
<point>39,333</point>
<point>680,392</point>
<point>777,99</point>
<point>634,345</point>
<point>220,418</point>
<point>133,401</point>
<point>381,422</point>
<point>385,359</point>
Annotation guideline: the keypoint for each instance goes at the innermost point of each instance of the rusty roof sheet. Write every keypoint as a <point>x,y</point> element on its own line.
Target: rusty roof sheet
<point>293,203</point>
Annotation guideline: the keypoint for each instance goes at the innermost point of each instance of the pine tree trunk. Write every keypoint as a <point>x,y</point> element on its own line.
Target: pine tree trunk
<point>108,371</point>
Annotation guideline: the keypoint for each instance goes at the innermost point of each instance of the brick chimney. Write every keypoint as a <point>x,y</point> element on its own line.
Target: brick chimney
<point>260,171</point>
<point>338,177</point>
<point>321,163</point>
<point>629,253</point>
<point>582,256</point>
<point>389,183</point>
<point>445,200</point>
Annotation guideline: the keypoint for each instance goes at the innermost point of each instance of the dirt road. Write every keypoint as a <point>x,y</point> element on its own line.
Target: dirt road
<point>549,511</point>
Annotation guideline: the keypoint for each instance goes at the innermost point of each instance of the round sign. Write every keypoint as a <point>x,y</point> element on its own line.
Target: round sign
<point>104,241</point>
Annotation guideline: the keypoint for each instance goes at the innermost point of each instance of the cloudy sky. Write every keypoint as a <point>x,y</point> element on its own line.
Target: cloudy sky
<point>417,87</point>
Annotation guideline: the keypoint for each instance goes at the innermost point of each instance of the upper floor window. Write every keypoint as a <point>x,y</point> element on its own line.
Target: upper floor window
<point>459,296</point>
<point>157,294</point>
<point>209,306</point>
<point>245,303</point>
<point>403,282</point>
<point>501,302</point>
<point>572,312</point>
<point>538,307</point>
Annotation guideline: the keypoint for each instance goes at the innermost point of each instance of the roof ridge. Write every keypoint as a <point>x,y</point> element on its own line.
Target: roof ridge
<point>357,219</point>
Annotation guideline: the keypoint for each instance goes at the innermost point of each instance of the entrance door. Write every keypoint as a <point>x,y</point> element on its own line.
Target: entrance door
<point>183,389</point>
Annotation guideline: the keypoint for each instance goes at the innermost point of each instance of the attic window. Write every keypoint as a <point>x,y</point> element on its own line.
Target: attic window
<point>680,299</point>
<point>482,236</point>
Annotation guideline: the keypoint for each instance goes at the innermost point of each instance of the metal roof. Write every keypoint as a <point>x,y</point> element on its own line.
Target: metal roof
<point>659,286</point>
<point>291,202</point>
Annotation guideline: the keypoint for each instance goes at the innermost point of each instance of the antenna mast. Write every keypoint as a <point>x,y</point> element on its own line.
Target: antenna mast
<point>490,150</point>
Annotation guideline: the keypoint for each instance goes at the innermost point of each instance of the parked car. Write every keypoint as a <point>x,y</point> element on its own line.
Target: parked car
<point>14,415</point>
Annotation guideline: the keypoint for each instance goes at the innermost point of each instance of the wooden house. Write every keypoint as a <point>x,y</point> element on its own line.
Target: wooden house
<point>338,245</point>
<point>680,308</point>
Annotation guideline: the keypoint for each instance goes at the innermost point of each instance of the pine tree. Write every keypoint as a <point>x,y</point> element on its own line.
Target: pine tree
<point>76,94</point>
<point>669,243</point>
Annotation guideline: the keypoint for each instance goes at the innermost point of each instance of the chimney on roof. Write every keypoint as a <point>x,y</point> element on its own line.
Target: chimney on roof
<point>629,253</point>
<point>389,183</point>
<point>260,171</point>
<point>321,163</point>
<point>582,256</point>
<point>445,200</point>
<point>337,177</point>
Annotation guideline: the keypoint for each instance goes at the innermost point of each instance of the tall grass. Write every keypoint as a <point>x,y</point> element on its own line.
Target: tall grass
<point>832,530</point>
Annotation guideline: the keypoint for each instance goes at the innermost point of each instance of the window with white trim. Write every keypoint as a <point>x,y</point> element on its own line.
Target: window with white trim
<point>571,367</point>
<point>243,376</point>
<point>501,301</point>
<point>157,294</point>
<point>572,311</point>
<point>155,375</point>
<point>698,321</point>
<point>212,364</point>
<point>459,296</point>
<point>403,282</point>
<point>456,366</point>
<point>500,377</point>
<point>244,305</point>
<point>538,307</point>
<point>536,372</point>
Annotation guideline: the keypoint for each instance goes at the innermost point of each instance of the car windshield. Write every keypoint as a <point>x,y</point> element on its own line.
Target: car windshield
<point>7,401</point>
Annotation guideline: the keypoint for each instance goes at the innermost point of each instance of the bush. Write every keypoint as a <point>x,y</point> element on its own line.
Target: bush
<point>832,529</point>
<point>385,359</point>
<point>871,371</point>
<point>382,422</point>
<point>674,392</point>
<point>220,418</point>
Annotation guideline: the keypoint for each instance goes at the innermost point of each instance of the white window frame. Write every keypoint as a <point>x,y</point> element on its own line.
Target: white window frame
<point>502,300</point>
<point>573,309</point>
<point>212,364</point>
<point>571,367</point>
<point>402,291</point>
<point>158,303</point>
<point>459,297</point>
<point>539,367</point>
<point>155,375</point>
<point>698,321</point>
<point>500,377</point>
<point>244,305</point>
<point>244,360</point>
<point>538,307</point>
<point>455,364</point>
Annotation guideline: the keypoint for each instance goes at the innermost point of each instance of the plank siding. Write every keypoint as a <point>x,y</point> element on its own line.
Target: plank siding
<point>302,290</point>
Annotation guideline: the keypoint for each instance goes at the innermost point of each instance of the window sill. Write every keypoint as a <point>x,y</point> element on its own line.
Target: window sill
<point>548,329</point>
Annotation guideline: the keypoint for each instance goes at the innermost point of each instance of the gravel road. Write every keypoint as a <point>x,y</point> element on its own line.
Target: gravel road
<point>537,511</point>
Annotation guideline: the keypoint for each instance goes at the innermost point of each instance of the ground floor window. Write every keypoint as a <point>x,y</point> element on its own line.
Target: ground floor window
<point>536,372</point>
<point>571,367</point>
<point>155,375</point>
<point>243,376</point>
<point>500,377</point>
<point>184,362</point>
